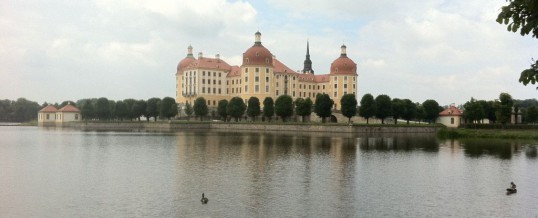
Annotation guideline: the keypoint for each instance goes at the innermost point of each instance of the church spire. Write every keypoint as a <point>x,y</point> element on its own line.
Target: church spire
<point>307,62</point>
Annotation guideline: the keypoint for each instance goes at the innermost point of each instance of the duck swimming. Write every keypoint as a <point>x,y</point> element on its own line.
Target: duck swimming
<point>204,199</point>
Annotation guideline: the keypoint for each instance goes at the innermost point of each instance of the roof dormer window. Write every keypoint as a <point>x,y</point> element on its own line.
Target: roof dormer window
<point>257,54</point>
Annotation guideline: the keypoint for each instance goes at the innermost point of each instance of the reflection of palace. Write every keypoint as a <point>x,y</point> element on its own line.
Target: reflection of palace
<point>261,75</point>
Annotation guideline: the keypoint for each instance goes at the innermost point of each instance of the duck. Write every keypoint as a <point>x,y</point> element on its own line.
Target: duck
<point>204,199</point>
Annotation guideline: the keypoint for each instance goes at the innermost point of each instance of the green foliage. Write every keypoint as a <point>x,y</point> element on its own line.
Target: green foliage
<point>504,108</point>
<point>323,105</point>
<point>139,109</point>
<point>102,109</point>
<point>152,108</point>
<point>129,103</point>
<point>284,107</point>
<point>348,103</point>
<point>397,109</point>
<point>474,111</point>
<point>383,107</point>
<point>188,110</point>
<point>21,110</point>
<point>236,108</point>
<point>253,109</point>
<point>200,107</point>
<point>268,108</point>
<point>431,110</point>
<point>88,109</point>
<point>368,107</point>
<point>168,108</point>
<point>221,109</point>
<point>489,110</point>
<point>303,107</point>
<point>532,114</point>
<point>122,112</point>
<point>410,110</point>
<point>522,15</point>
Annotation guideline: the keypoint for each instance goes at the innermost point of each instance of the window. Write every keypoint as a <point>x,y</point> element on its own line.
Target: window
<point>257,70</point>
<point>219,90</point>
<point>247,60</point>
<point>345,78</point>
<point>76,116</point>
<point>293,93</point>
<point>276,84</point>
<point>452,120</point>
<point>208,90</point>
<point>277,92</point>
<point>267,60</point>
<point>266,79</point>
<point>48,116</point>
<point>208,102</point>
<point>257,88</point>
<point>219,75</point>
<point>246,70</point>
<point>232,82</point>
<point>214,102</point>
<point>219,82</point>
<point>335,86</point>
<point>257,54</point>
<point>294,85</point>
<point>266,70</point>
<point>335,94</point>
<point>246,88</point>
<point>246,79</point>
<point>266,88</point>
<point>203,73</point>
<point>203,81</point>
<point>214,73</point>
<point>257,79</point>
<point>214,90</point>
<point>323,87</point>
<point>345,86</point>
<point>214,82</point>
<point>203,89</point>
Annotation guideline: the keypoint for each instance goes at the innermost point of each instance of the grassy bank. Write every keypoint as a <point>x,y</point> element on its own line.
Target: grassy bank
<point>489,133</point>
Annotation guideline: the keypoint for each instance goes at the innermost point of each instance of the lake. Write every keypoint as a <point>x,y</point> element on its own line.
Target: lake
<point>49,172</point>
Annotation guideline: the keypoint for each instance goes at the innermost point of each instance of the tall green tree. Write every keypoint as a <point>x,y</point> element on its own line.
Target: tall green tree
<point>102,108</point>
<point>87,110</point>
<point>323,105</point>
<point>303,107</point>
<point>474,112</point>
<point>152,108</point>
<point>284,107</point>
<point>139,109</point>
<point>268,108</point>
<point>25,110</point>
<point>397,109</point>
<point>410,110</point>
<point>122,112</point>
<point>236,108</point>
<point>384,107</point>
<point>168,108</point>
<point>368,107</point>
<point>504,108</point>
<point>253,108</point>
<point>431,109</point>
<point>200,108</point>
<point>489,110</point>
<point>532,114</point>
<point>129,103</point>
<point>348,103</point>
<point>522,16</point>
<point>188,110</point>
<point>221,109</point>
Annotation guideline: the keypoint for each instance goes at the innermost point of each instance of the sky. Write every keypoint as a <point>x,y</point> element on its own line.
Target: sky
<point>449,51</point>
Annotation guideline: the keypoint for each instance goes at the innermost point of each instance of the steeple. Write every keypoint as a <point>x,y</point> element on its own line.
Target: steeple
<point>257,38</point>
<point>307,62</point>
<point>343,51</point>
<point>189,52</point>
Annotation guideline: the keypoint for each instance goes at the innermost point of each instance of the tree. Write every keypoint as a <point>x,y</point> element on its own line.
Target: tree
<point>322,106</point>
<point>24,110</point>
<point>200,108</point>
<point>253,109</point>
<point>383,106</point>
<point>102,108</point>
<point>168,108</point>
<point>88,110</point>
<point>303,107</point>
<point>504,108</point>
<point>221,109</point>
<point>431,110</point>
<point>268,108</point>
<point>139,109</point>
<point>188,110</point>
<point>532,114</point>
<point>122,111</point>
<point>152,108</point>
<point>522,15</point>
<point>368,106</point>
<point>129,103</point>
<point>284,106</point>
<point>410,110</point>
<point>473,111</point>
<point>397,109</point>
<point>236,108</point>
<point>489,110</point>
<point>348,103</point>
<point>421,113</point>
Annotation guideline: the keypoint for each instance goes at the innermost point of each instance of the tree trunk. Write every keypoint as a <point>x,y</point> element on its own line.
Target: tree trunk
<point>366,120</point>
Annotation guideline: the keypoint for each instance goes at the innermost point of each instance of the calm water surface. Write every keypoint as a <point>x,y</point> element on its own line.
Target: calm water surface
<point>67,173</point>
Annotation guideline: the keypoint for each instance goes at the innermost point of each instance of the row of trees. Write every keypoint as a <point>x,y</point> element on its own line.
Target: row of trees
<point>383,107</point>
<point>501,110</point>
<point>283,107</point>
<point>128,109</point>
<point>21,110</point>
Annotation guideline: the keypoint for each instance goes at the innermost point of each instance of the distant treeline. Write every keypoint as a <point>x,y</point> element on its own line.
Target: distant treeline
<point>21,110</point>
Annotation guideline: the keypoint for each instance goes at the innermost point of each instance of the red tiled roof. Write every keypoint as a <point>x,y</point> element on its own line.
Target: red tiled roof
<point>451,111</point>
<point>322,78</point>
<point>209,63</point>
<point>69,108</point>
<point>49,109</point>
<point>234,71</point>
<point>279,67</point>
<point>343,65</point>
<point>183,64</point>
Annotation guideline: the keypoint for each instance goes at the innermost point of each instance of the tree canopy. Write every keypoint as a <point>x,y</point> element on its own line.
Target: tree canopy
<point>323,105</point>
<point>397,109</point>
<point>236,108</point>
<point>383,107</point>
<point>221,109</point>
<point>168,108</point>
<point>431,110</point>
<point>348,103</point>
<point>368,107</point>
<point>284,107</point>
<point>410,110</point>
<point>152,109</point>
<point>504,108</point>
<point>474,111</point>
<point>253,109</point>
<point>188,110</point>
<point>522,16</point>
<point>303,107</point>
<point>268,108</point>
<point>200,108</point>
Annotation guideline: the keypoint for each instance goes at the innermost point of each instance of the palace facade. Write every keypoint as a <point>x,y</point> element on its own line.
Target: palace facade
<point>261,75</point>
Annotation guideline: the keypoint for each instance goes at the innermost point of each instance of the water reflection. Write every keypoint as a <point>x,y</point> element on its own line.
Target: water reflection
<point>400,142</point>
<point>504,149</point>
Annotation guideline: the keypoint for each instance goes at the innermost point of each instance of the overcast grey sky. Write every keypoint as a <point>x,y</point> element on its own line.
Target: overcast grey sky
<point>450,51</point>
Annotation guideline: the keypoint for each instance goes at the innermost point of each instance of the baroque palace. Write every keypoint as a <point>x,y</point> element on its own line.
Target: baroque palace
<point>260,75</point>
